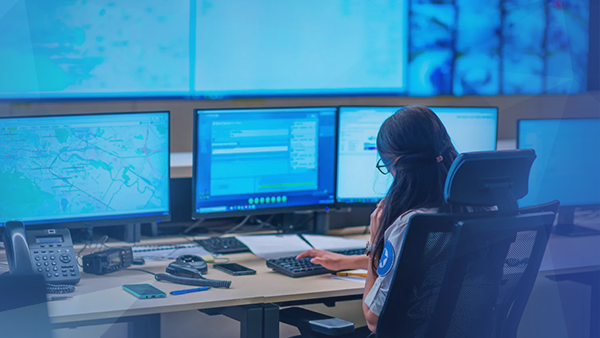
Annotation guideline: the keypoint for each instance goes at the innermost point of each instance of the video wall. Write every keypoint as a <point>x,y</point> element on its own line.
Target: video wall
<point>209,49</point>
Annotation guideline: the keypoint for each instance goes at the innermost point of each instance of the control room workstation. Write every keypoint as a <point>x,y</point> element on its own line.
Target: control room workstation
<point>70,174</point>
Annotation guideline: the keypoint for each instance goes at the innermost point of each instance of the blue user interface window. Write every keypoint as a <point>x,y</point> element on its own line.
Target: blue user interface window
<point>567,167</point>
<point>84,167</point>
<point>264,158</point>
<point>359,181</point>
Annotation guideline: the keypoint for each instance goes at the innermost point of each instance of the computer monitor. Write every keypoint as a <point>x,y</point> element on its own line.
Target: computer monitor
<point>85,170</point>
<point>358,180</point>
<point>567,167</point>
<point>251,161</point>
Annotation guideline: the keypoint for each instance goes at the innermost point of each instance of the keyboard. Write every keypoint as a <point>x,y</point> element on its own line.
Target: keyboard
<point>223,245</point>
<point>290,266</point>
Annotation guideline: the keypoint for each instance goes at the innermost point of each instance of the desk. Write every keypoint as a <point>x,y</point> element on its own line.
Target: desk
<point>100,299</point>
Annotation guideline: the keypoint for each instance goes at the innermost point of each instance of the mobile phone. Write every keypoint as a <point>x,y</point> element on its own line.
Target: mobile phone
<point>234,269</point>
<point>144,291</point>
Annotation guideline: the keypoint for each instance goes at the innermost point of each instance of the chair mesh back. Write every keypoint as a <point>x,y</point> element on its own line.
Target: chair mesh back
<point>429,278</point>
<point>461,279</point>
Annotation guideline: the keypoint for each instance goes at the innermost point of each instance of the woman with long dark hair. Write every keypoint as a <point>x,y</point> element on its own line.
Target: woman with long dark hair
<point>414,147</point>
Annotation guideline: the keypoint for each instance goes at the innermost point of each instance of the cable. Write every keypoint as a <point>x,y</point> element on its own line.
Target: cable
<point>241,224</point>
<point>59,288</point>
<point>193,281</point>
<point>194,226</point>
<point>142,270</point>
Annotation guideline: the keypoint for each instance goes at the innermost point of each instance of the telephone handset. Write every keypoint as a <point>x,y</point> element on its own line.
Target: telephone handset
<point>17,250</point>
<point>48,252</point>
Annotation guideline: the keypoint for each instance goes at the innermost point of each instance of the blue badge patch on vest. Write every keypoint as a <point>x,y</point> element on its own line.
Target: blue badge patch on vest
<point>386,262</point>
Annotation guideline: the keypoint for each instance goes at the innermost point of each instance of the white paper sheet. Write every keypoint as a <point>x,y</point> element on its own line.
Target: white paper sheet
<point>274,246</point>
<point>355,279</point>
<point>334,242</point>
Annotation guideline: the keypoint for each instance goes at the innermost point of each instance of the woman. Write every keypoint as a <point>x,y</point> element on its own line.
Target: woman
<point>414,147</point>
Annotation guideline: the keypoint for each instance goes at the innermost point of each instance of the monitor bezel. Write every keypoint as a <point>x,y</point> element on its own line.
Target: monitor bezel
<point>518,137</point>
<point>273,210</point>
<point>373,204</point>
<point>117,219</point>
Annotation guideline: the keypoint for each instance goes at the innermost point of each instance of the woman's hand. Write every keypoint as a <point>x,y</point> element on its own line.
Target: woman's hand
<point>334,261</point>
<point>376,220</point>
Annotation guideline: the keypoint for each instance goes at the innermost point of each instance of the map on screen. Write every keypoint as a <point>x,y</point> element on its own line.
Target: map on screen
<point>83,166</point>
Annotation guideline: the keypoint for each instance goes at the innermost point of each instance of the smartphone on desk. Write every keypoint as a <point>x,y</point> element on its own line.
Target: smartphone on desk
<point>234,269</point>
<point>144,291</point>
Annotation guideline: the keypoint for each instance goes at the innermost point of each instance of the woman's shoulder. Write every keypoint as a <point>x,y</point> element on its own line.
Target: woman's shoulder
<point>402,221</point>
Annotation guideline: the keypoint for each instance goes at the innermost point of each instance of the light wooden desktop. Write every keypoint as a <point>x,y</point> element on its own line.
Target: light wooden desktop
<point>100,298</point>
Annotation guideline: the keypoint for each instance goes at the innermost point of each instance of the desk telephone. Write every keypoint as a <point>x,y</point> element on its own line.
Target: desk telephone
<point>48,252</point>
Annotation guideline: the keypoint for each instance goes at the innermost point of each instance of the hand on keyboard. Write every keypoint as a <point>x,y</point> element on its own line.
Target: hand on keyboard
<point>302,267</point>
<point>330,260</point>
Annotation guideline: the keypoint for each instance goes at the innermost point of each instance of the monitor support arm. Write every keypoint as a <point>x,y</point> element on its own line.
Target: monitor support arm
<point>17,250</point>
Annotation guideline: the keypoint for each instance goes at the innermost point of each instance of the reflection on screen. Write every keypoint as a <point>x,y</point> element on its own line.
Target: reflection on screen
<point>471,129</point>
<point>90,167</point>
<point>567,167</point>
<point>264,158</point>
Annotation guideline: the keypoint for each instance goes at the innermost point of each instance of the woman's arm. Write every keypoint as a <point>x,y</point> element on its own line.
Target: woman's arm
<point>370,317</point>
<point>334,261</point>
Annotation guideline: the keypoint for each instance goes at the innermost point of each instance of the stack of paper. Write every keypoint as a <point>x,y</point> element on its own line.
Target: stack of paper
<point>274,246</point>
<point>333,243</point>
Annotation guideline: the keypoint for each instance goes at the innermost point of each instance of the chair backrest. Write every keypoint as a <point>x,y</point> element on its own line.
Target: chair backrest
<point>23,308</point>
<point>470,274</point>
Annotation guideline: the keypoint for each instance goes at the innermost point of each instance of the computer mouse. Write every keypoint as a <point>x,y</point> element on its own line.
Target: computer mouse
<point>195,261</point>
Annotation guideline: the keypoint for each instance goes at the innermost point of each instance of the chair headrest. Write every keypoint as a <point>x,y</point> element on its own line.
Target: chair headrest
<point>478,178</point>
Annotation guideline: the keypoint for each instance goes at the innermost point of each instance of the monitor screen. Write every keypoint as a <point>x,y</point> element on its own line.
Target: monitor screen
<point>95,169</point>
<point>250,160</point>
<point>471,129</point>
<point>567,167</point>
<point>215,49</point>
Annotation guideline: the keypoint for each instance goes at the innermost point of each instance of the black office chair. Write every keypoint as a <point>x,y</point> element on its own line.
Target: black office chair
<point>462,274</point>
<point>23,309</point>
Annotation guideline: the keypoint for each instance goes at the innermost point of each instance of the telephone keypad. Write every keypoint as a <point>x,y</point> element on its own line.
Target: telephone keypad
<point>56,261</point>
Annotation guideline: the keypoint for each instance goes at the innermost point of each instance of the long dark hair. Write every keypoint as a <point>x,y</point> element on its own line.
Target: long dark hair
<point>410,144</point>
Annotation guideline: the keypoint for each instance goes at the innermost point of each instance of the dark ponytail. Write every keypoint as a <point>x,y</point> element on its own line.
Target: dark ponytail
<point>416,148</point>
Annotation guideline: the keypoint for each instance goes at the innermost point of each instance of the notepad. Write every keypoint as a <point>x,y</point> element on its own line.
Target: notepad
<point>333,243</point>
<point>274,246</point>
<point>354,279</point>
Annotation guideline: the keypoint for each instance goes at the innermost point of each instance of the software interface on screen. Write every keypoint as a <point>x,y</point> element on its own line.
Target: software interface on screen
<point>567,166</point>
<point>264,158</point>
<point>85,167</point>
<point>359,181</point>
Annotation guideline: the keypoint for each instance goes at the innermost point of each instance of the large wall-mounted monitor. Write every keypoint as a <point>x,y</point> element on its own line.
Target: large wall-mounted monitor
<point>85,170</point>
<point>252,161</point>
<point>358,180</point>
<point>209,49</point>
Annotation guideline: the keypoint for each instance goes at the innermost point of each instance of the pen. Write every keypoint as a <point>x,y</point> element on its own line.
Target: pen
<point>351,274</point>
<point>182,292</point>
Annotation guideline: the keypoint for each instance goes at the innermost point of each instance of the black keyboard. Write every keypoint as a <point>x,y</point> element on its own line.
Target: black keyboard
<point>223,245</point>
<point>290,266</point>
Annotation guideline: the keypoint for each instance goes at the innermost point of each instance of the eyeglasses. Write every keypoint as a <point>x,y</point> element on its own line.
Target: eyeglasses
<point>382,167</point>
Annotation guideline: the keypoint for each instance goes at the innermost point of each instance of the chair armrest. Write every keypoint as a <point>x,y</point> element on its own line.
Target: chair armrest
<point>310,322</point>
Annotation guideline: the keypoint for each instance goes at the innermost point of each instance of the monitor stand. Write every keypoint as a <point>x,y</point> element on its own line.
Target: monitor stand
<point>566,225</point>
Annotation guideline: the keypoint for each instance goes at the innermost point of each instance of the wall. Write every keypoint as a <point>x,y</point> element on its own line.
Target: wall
<point>511,108</point>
